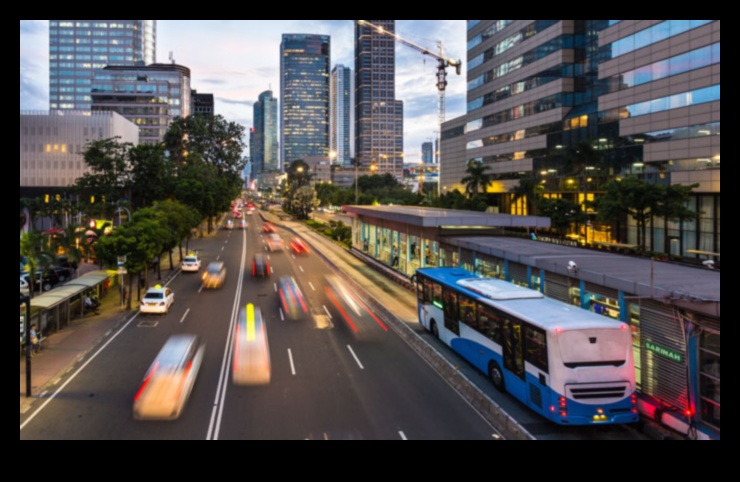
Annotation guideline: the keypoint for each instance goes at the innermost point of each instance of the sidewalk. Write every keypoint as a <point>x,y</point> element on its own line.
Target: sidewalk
<point>61,352</point>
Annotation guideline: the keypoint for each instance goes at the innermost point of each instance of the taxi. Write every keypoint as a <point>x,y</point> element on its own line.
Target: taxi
<point>157,301</point>
<point>191,264</point>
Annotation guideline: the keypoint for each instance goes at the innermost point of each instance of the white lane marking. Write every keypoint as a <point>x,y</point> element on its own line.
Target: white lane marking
<point>311,285</point>
<point>293,256</point>
<point>327,312</point>
<point>268,258</point>
<point>275,284</point>
<point>218,258</point>
<point>301,267</point>
<point>185,315</point>
<point>272,270</point>
<point>403,436</point>
<point>201,289</point>
<point>222,248</point>
<point>217,413</point>
<point>355,357</point>
<point>282,316</point>
<point>292,365</point>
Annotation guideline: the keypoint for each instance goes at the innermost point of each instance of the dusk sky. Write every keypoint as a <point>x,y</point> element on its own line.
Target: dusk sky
<point>236,60</point>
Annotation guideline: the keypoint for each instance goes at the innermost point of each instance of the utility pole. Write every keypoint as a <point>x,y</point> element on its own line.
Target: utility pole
<point>26,300</point>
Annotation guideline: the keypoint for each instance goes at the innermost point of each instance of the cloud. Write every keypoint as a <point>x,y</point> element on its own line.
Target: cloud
<point>247,103</point>
<point>33,27</point>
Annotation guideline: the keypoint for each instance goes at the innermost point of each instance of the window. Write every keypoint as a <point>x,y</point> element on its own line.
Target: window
<point>709,377</point>
<point>468,313</point>
<point>452,322</point>
<point>536,346</point>
<point>489,323</point>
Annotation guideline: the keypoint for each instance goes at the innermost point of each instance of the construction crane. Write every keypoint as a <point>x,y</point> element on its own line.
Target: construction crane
<point>442,64</point>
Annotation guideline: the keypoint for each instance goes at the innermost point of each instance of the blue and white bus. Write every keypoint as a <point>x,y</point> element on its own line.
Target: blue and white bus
<point>569,365</point>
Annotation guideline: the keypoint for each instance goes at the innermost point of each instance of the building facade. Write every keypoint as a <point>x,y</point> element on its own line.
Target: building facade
<point>378,115</point>
<point>644,94</point>
<point>427,153</point>
<point>150,96</point>
<point>202,103</point>
<point>51,146</point>
<point>305,62</point>
<point>77,48</point>
<point>264,144</point>
<point>341,115</point>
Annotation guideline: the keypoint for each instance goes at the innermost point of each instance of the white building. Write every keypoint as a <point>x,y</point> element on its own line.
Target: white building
<point>51,144</point>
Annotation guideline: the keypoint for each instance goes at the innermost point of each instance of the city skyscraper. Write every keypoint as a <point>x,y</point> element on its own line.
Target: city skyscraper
<point>305,62</point>
<point>341,114</point>
<point>150,96</point>
<point>264,147</point>
<point>427,153</point>
<point>79,47</point>
<point>643,94</point>
<point>378,115</point>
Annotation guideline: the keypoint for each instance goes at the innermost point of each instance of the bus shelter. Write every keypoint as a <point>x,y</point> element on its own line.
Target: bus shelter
<point>52,311</point>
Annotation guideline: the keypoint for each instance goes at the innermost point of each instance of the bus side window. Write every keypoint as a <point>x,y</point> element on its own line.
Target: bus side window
<point>489,325</point>
<point>421,289</point>
<point>437,297</point>
<point>468,312</point>
<point>452,322</point>
<point>536,348</point>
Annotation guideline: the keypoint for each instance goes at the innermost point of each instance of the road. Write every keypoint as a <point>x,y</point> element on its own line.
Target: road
<point>337,374</point>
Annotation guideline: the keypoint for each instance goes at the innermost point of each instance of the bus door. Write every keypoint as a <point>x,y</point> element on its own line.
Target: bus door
<point>513,353</point>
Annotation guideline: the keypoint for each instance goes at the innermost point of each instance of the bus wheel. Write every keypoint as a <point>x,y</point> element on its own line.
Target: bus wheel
<point>435,330</point>
<point>497,377</point>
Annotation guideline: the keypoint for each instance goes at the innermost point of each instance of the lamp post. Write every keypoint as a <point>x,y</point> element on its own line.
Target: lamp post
<point>357,182</point>
<point>26,300</point>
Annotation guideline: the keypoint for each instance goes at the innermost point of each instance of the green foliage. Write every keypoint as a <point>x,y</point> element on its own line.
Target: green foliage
<point>477,179</point>
<point>563,213</point>
<point>643,201</point>
<point>456,200</point>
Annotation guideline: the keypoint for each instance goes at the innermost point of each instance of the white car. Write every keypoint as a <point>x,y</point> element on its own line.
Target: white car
<point>275,243</point>
<point>191,264</point>
<point>157,301</point>
<point>25,291</point>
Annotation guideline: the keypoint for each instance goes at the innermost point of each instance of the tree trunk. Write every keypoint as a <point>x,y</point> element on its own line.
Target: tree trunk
<point>130,292</point>
<point>172,265</point>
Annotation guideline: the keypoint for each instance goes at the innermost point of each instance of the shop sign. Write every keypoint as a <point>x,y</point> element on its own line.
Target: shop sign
<point>664,352</point>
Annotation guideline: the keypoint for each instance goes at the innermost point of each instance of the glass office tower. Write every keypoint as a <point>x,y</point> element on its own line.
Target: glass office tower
<point>341,117</point>
<point>645,94</point>
<point>265,141</point>
<point>305,62</point>
<point>79,47</point>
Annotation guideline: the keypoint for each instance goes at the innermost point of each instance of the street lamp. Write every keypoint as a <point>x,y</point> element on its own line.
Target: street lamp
<point>26,300</point>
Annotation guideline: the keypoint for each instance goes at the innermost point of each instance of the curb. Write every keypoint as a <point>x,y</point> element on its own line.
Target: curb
<point>487,408</point>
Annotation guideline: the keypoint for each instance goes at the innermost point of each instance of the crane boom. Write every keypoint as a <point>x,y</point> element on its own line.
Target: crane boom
<point>442,64</point>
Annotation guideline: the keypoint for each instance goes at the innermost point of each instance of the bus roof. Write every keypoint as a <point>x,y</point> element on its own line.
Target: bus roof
<point>524,303</point>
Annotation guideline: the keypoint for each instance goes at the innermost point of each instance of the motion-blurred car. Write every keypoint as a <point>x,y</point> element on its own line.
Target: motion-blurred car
<point>229,225</point>
<point>238,214</point>
<point>170,379</point>
<point>25,291</point>
<point>260,266</point>
<point>243,224</point>
<point>298,246</point>
<point>292,301</point>
<point>275,243</point>
<point>251,364</point>
<point>157,301</point>
<point>191,264</point>
<point>268,228</point>
<point>215,275</point>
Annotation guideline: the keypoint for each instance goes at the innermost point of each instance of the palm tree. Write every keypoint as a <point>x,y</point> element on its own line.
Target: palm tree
<point>69,242</point>
<point>477,178</point>
<point>531,189</point>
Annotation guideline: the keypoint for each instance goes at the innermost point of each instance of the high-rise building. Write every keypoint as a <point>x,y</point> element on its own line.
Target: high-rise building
<point>79,47</point>
<point>305,62</point>
<point>150,96</point>
<point>427,153</point>
<point>202,103</point>
<point>341,115</point>
<point>378,115</point>
<point>264,146</point>
<point>52,143</point>
<point>645,94</point>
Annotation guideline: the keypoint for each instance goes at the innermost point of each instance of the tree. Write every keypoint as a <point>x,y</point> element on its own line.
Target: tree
<point>108,176</point>
<point>151,176</point>
<point>563,214</point>
<point>69,243</point>
<point>304,201</point>
<point>477,178</point>
<point>38,255</point>
<point>642,200</point>
<point>530,189</point>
